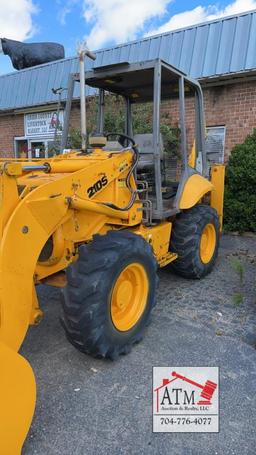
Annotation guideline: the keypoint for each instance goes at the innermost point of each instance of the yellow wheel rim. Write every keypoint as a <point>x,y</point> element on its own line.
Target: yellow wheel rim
<point>129,297</point>
<point>207,243</point>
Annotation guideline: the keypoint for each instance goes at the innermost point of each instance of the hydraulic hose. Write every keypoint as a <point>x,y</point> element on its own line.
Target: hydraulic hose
<point>130,173</point>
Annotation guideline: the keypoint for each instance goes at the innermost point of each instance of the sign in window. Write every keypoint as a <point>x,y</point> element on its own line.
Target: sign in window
<point>215,143</point>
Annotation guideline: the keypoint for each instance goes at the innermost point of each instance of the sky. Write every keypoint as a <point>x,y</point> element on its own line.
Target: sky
<point>103,23</point>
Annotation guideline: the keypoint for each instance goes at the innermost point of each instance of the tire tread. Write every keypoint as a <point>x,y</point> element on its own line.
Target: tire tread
<point>83,316</point>
<point>185,241</point>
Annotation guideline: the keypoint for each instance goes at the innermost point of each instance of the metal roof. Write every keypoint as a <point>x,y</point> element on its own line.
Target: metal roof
<point>220,47</point>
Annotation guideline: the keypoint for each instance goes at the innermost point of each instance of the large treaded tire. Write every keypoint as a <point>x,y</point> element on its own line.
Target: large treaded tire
<point>185,241</point>
<point>86,298</point>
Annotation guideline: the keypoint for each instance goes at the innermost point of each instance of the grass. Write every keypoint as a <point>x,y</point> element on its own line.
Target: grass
<point>238,298</point>
<point>238,267</point>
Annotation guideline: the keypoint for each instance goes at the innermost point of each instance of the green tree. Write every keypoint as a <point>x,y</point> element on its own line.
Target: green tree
<point>114,121</point>
<point>240,187</point>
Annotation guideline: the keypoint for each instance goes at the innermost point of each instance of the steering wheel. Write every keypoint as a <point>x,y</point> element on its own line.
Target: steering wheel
<point>122,139</point>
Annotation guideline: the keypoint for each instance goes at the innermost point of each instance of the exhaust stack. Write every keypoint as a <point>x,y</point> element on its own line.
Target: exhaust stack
<point>82,52</point>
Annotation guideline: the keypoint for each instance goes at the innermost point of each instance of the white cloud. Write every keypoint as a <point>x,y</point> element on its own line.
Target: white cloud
<point>62,14</point>
<point>16,19</point>
<point>202,14</point>
<point>119,20</point>
<point>65,9</point>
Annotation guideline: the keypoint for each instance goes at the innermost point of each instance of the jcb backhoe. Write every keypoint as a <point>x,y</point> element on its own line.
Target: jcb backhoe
<point>99,222</point>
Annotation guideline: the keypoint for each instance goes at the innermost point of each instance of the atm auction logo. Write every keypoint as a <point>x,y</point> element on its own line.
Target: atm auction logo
<point>185,399</point>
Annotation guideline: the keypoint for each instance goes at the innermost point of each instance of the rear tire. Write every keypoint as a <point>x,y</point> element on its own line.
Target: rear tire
<point>110,294</point>
<point>195,238</point>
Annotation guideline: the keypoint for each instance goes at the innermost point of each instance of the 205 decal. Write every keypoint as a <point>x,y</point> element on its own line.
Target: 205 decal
<point>92,190</point>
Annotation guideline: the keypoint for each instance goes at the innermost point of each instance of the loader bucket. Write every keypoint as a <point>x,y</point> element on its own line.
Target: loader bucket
<point>17,398</point>
<point>25,226</point>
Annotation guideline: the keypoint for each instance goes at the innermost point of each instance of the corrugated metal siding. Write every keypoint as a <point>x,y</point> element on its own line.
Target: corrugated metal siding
<point>206,50</point>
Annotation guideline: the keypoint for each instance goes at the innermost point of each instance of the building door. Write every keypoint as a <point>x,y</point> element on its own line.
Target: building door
<point>37,149</point>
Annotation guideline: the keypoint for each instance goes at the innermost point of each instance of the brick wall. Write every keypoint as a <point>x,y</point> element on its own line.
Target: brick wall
<point>91,114</point>
<point>232,105</point>
<point>11,126</point>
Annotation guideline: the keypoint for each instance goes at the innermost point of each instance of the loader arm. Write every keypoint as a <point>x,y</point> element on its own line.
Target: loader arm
<point>58,200</point>
<point>57,203</point>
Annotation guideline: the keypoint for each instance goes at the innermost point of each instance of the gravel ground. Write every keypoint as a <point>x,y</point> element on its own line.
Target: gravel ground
<point>212,302</point>
<point>87,406</point>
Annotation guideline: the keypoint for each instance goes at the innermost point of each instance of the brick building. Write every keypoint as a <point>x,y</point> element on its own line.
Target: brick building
<point>220,53</point>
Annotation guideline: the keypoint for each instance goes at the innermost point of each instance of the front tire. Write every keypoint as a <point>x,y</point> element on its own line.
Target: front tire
<point>110,294</point>
<point>195,238</point>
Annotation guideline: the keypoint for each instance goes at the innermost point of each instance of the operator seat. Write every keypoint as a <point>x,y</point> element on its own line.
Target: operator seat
<point>112,146</point>
<point>145,145</point>
<point>146,149</point>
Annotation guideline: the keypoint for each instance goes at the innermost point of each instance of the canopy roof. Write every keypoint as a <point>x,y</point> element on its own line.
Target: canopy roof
<point>136,80</point>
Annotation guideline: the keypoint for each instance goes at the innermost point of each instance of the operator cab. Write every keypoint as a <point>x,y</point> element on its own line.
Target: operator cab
<point>160,172</point>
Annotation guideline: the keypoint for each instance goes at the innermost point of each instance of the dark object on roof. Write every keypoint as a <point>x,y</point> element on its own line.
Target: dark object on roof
<point>25,55</point>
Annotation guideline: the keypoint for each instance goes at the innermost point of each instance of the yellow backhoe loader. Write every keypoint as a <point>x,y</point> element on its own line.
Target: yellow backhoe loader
<point>99,222</point>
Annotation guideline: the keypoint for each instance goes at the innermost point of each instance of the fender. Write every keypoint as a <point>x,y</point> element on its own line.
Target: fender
<point>194,189</point>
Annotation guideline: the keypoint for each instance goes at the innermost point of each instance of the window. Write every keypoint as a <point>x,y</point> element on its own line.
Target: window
<point>21,147</point>
<point>215,143</point>
<point>34,147</point>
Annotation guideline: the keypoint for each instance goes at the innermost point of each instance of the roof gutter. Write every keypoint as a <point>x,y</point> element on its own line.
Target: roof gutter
<point>229,78</point>
<point>30,110</point>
